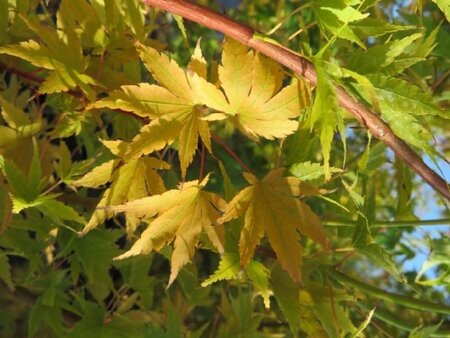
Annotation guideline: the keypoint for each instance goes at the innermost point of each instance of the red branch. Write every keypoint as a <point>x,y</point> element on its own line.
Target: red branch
<point>244,34</point>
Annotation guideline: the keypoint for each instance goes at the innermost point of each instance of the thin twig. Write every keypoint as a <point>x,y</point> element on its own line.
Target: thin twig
<point>245,34</point>
<point>333,310</point>
<point>343,259</point>
<point>215,323</point>
<point>440,80</point>
<point>21,73</point>
<point>303,29</point>
<point>202,162</point>
<point>31,77</point>
<point>390,224</point>
<point>231,152</point>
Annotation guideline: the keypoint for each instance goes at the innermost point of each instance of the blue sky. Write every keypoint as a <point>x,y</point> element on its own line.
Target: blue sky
<point>432,210</point>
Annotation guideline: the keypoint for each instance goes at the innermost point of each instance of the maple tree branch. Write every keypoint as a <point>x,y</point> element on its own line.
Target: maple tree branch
<point>245,35</point>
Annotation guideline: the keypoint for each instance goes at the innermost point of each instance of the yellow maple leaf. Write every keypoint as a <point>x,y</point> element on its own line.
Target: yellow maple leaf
<point>254,102</point>
<point>174,106</point>
<point>129,181</point>
<point>271,205</point>
<point>179,216</point>
<point>144,99</point>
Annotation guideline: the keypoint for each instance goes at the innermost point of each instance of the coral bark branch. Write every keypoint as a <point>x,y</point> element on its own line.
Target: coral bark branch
<point>245,34</point>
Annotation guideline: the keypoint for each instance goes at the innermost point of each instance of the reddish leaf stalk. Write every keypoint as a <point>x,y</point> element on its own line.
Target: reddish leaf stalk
<point>244,34</point>
<point>31,77</point>
<point>333,310</point>
<point>231,152</point>
<point>20,73</point>
<point>202,162</point>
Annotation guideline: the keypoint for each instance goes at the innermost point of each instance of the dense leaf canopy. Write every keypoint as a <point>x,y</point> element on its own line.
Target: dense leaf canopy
<point>163,179</point>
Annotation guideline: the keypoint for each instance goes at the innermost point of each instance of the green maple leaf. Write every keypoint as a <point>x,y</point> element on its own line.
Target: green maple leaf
<point>230,267</point>
<point>325,116</point>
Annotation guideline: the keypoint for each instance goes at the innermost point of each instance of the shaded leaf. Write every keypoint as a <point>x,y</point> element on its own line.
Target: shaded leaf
<point>307,171</point>
<point>286,293</point>
<point>5,271</point>
<point>93,325</point>
<point>425,331</point>
<point>382,258</point>
<point>444,7</point>
<point>271,205</point>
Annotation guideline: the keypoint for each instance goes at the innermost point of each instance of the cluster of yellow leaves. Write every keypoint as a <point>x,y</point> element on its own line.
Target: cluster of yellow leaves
<point>61,55</point>
<point>251,99</point>
<point>180,108</point>
<point>270,205</point>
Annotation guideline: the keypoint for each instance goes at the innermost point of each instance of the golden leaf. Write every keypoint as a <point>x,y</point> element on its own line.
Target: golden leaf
<point>271,205</point>
<point>179,216</point>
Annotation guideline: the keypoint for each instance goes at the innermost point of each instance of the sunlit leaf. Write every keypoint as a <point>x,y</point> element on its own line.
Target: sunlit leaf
<point>444,7</point>
<point>325,116</point>
<point>229,267</point>
<point>181,217</point>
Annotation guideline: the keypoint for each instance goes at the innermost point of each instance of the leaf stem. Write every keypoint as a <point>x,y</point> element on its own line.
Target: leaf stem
<point>391,297</point>
<point>53,187</point>
<point>333,310</point>
<point>390,224</point>
<point>215,323</point>
<point>283,20</point>
<point>32,78</point>
<point>231,153</point>
<point>401,323</point>
<point>303,29</point>
<point>21,73</point>
<point>202,163</point>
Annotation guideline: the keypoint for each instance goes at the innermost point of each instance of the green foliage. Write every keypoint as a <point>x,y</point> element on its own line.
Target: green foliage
<point>159,180</point>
